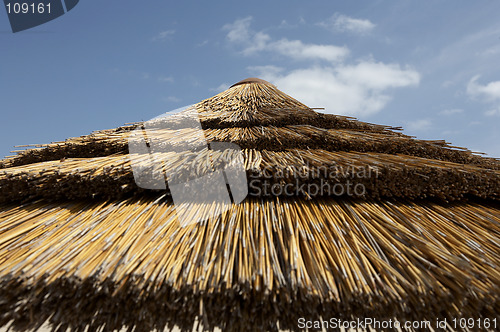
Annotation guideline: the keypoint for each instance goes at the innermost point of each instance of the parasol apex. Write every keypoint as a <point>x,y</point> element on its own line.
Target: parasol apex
<point>251,80</point>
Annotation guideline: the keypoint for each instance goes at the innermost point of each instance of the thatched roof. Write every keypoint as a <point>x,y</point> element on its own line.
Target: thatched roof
<point>81,245</point>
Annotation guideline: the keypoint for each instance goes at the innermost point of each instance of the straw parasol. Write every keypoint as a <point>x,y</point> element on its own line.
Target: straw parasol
<point>343,219</point>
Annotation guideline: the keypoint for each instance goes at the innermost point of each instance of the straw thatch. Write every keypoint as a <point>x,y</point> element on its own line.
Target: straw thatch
<point>83,247</point>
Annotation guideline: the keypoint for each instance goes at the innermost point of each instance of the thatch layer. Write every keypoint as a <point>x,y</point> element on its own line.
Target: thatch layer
<point>262,262</point>
<point>379,175</point>
<point>264,137</point>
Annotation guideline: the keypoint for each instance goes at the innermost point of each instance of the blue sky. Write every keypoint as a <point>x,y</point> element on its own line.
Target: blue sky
<point>432,69</point>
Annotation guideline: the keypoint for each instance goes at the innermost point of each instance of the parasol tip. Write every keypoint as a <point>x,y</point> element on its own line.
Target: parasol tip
<point>251,80</point>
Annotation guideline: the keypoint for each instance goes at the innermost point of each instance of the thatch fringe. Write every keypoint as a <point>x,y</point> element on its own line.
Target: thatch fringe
<point>243,112</point>
<point>262,137</point>
<point>108,142</point>
<point>380,175</point>
<point>259,116</point>
<point>98,144</point>
<point>262,262</point>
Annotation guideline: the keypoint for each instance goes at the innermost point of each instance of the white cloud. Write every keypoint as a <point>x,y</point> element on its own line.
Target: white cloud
<point>163,35</point>
<point>358,90</point>
<point>239,33</point>
<point>378,75</point>
<point>489,92</point>
<point>343,23</point>
<point>453,111</point>
<point>258,42</point>
<point>238,30</point>
<point>298,50</point>
<point>420,125</point>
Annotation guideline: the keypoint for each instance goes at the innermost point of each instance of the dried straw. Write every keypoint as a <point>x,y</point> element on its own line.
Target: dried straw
<point>111,177</point>
<point>83,247</point>
<point>130,263</point>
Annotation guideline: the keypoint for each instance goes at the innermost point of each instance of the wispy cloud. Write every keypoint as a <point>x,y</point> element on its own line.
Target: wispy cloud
<point>252,42</point>
<point>220,88</point>
<point>448,133</point>
<point>488,93</point>
<point>287,25</point>
<point>493,112</point>
<point>239,30</point>
<point>163,35</point>
<point>464,55</point>
<point>172,99</point>
<point>453,111</point>
<point>419,125</point>
<point>168,79</point>
<point>268,71</point>
<point>471,45</point>
<point>203,43</point>
<point>343,23</point>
